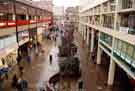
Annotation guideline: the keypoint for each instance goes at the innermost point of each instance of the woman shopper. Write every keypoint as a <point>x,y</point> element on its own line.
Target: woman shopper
<point>22,84</point>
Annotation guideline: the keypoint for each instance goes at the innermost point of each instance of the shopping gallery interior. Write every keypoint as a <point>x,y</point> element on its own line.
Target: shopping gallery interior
<point>86,46</point>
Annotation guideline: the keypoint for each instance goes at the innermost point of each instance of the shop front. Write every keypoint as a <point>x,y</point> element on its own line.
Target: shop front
<point>23,37</point>
<point>33,37</point>
<point>8,61</point>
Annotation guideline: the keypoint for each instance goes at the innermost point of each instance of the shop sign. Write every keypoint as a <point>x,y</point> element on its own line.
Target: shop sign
<point>23,41</point>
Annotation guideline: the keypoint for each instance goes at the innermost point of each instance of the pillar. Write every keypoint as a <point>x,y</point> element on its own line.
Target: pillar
<point>92,40</point>
<point>14,17</point>
<point>27,17</point>
<point>87,35</point>
<point>133,4</point>
<point>99,52</point>
<point>35,17</point>
<point>111,73</point>
<point>84,29</point>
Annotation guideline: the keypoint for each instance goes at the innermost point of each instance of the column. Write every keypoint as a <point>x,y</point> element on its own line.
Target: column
<point>14,17</point>
<point>92,40</point>
<point>27,17</point>
<point>133,4</point>
<point>87,35</point>
<point>111,73</point>
<point>84,31</point>
<point>99,52</point>
<point>35,17</point>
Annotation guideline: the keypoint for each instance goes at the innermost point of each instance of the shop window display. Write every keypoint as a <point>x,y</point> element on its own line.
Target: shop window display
<point>3,17</point>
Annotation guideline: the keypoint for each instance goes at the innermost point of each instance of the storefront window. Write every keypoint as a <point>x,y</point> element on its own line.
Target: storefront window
<point>10,17</point>
<point>3,17</point>
<point>6,41</point>
<point>21,17</point>
<point>1,44</point>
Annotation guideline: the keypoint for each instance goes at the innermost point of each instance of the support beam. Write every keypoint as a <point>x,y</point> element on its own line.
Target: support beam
<point>14,17</point>
<point>111,73</point>
<point>87,35</point>
<point>84,29</point>
<point>99,55</point>
<point>92,40</point>
<point>27,17</point>
<point>35,17</point>
<point>133,4</point>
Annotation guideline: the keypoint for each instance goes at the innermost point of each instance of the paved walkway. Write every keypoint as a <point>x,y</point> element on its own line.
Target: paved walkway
<point>49,69</point>
<point>94,76</point>
<point>40,70</point>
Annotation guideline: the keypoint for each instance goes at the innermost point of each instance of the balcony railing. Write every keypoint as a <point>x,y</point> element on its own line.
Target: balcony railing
<point>5,24</point>
<point>106,38</point>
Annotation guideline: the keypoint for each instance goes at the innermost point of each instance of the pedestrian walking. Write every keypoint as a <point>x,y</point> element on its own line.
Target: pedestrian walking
<point>93,55</point>
<point>14,82</point>
<point>29,59</point>
<point>18,59</point>
<point>22,84</point>
<point>50,58</point>
<point>80,85</point>
<point>1,83</point>
<point>21,70</point>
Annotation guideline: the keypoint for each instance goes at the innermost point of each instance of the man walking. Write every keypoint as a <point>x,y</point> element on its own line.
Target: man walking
<point>50,58</point>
